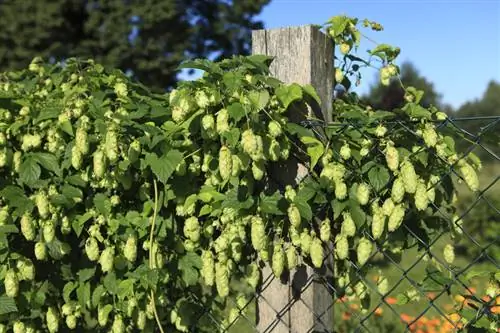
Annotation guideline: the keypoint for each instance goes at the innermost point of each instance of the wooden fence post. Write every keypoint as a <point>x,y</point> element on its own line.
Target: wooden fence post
<point>303,55</point>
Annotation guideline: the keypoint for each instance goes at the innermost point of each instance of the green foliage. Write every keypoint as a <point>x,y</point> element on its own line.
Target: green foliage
<point>164,33</point>
<point>94,192</point>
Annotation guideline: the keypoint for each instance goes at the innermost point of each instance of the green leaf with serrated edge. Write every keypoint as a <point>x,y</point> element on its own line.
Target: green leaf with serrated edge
<point>272,204</point>
<point>237,198</point>
<point>7,305</point>
<point>163,167</point>
<point>29,171</point>
<point>299,130</point>
<point>83,294</point>
<point>205,210</point>
<point>125,288</point>
<point>236,111</point>
<point>209,193</point>
<point>110,283</point>
<point>304,209</point>
<point>379,177</point>
<point>288,94</point>
<point>66,127</point>
<point>103,204</point>
<point>79,221</point>
<point>315,152</point>
<point>306,193</point>
<point>97,294</point>
<point>71,192</point>
<point>338,207</point>
<point>85,274</point>
<point>8,229</point>
<point>259,99</point>
<point>189,265</point>
<point>309,89</point>
<point>68,288</point>
<point>231,137</point>
<point>48,161</point>
<point>357,213</point>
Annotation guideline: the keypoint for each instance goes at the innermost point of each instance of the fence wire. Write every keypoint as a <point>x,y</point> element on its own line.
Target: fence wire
<point>440,299</point>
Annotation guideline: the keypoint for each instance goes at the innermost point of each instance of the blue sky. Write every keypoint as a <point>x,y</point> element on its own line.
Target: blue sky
<point>454,43</point>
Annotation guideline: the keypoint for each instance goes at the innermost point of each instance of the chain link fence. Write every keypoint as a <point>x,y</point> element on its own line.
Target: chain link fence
<point>417,297</point>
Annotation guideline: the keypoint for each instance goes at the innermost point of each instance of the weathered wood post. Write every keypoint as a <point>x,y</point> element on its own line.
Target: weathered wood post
<point>303,55</point>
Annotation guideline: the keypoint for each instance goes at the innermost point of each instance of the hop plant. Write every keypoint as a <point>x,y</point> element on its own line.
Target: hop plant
<point>430,136</point>
<point>258,233</point>
<point>253,275</point>
<point>274,151</point>
<point>421,198</point>
<point>130,249</point>
<point>258,169</point>
<point>449,253</point>
<point>11,284</point>
<point>40,251</point>
<point>192,229</point>
<point>225,163</point>
<point>221,279</point>
<point>106,260</point>
<point>345,151</point>
<point>469,175</point>
<point>278,260</point>
<point>398,190</point>
<point>52,319</point>
<point>208,267</point>
<point>222,122</point>
<point>92,249</point>
<point>325,231</point>
<point>274,129</point>
<point>294,216</point>
<point>99,164</point>
<point>42,204</point>
<point>252,145</point>
<point>19,327</point>
<point>26,269</point>
<point>341,247</point>
<point>118,325</point>
<point>316,252</point>
<point>363,194</point>
<point>81,141</point>
<point>409,177</point>
<point>28,227</point>
<point>71,322</point>
<point>291,257</point>
<point>388,207</point>
<point>396,218</point>
<point>378,225</point>
<point>392,157</point>
<point>364,251</point>
<point>340,190</point>
<point>348,227</point>
<point>382,284</point>
<point>49,231</point>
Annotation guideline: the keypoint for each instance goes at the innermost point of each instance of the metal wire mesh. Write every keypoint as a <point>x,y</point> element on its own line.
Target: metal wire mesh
<point>440,297</point>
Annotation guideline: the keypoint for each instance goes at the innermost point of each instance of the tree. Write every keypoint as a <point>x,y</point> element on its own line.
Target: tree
<point>146,38</point>
<point>392,96</point>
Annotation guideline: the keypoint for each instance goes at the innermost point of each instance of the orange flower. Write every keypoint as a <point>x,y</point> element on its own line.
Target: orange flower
<point>486,298</point>
<point>378,311</point>
<point>354,306</point>
<point>391,300</point>
<point>495,309</point>
<point>431,295</point>
<point>406,318</point>
<point>346,316</point>
<point>471,290</point>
